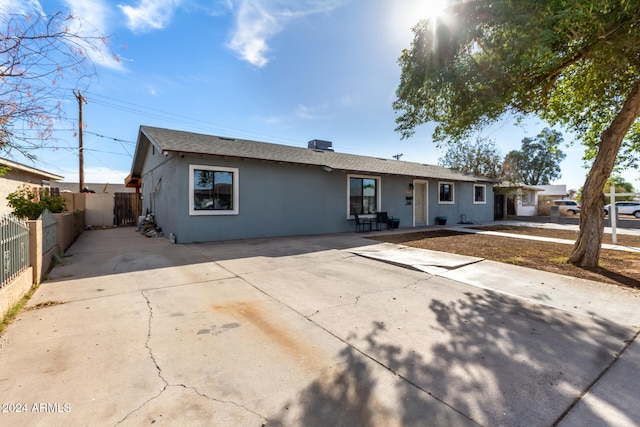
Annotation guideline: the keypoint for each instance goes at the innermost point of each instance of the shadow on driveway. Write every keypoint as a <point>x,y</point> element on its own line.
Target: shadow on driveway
<point>496,361</point>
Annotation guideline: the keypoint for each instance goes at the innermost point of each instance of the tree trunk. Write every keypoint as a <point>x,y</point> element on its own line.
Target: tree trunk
<point>586,251</point>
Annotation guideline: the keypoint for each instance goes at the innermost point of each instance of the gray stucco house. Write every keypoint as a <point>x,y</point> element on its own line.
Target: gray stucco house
<point>210,188</point>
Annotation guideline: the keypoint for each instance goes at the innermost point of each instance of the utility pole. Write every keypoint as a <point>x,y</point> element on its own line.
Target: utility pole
<point>81,100</point>
<point>397,156</point>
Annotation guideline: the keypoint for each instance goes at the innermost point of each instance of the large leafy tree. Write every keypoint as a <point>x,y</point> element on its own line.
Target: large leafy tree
<point>42,59</point>
<point>574,63</point>
<point>538,160</point>
<point>480,157</point>
<point>621,186</point>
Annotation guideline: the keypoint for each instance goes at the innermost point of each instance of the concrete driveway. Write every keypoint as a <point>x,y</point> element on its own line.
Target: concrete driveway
<point>314,331</point>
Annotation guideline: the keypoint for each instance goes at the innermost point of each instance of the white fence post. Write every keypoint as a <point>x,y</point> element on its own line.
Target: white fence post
<point>613,214</point>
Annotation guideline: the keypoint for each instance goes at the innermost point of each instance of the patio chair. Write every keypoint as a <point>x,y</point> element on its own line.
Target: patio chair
<point>381,218</point>
<point>362,224</point>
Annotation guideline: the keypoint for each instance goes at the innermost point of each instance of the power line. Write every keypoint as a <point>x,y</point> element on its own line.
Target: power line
<point>108,152</point>
<point>145,111</point>
<point>74,151</point>
<point>110,137</point>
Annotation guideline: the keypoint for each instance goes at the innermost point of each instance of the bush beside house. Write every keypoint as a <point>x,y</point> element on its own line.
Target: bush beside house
<point>29,203</point>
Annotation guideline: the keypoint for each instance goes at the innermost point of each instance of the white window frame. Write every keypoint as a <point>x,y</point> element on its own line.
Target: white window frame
<point>378,194</point>
<point>235,189</point>
<point>528,198</point>
<point>484,194</point>
<point>453,193</point>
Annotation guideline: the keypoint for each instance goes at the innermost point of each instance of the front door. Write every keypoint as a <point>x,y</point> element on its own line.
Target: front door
<point>498,207</point>
<point>420,216</point>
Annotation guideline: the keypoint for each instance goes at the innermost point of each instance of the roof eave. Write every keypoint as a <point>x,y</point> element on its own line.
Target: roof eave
<point>142,144</point>
<point>46,175</point>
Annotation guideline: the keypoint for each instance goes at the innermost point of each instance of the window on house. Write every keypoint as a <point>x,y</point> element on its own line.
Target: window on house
<point>446,195</point>
<point>364,195</point>
<point>479,194</point>
<point>528,197</point>
<point>213,190</point>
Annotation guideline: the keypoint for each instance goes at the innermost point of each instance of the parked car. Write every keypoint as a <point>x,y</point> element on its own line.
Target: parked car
<point>568,206</point>
<point>625,208</point>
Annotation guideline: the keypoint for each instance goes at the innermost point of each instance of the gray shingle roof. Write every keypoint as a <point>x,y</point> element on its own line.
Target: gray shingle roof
<point>187,142</point>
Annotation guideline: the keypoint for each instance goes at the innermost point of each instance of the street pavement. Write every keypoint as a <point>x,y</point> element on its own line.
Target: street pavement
<point>334,330</point>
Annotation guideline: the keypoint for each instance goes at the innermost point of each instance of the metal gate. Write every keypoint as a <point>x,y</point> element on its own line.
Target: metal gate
<point>127,209</point>
<point>14,248</point>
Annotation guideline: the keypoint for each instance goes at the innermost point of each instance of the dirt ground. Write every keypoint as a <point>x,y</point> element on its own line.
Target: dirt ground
<point>616,267</point>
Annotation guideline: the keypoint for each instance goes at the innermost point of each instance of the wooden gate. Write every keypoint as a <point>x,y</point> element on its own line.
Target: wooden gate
<point>127,209</point>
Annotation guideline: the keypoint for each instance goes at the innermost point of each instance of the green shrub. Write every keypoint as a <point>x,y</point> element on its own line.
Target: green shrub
<point>29,203</point>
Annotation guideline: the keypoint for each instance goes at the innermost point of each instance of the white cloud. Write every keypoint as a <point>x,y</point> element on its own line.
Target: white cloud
<point>149,14</point>
<point>92,11</point>
<point>259,20</point>
<point>90,23</point>
<point>256,21</point>
<point>21,7</point>
<point>350,101</point>
<point>94,175</point>
<point>96,14</point>
<point>316,112</point>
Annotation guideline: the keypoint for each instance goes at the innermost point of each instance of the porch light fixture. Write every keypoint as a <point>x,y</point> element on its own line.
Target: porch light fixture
<point>327,169</point>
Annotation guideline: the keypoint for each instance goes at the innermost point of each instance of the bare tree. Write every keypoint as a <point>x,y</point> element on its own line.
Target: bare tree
<point>42,59</point>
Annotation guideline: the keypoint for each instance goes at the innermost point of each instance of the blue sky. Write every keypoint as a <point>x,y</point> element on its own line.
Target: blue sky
<point>281,71</point>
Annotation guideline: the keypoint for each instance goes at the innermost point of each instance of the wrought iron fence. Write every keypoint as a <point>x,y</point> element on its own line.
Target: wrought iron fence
<point>48,230</point>
<point>14,247</point>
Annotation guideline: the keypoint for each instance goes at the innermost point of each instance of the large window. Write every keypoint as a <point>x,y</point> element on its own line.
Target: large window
<point>213,190</point>
<point>446,194</point>
<point>364,195</point>
<point>479,194</point>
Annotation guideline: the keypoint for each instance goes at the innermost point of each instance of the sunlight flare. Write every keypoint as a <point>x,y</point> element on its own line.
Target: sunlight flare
<point>433,9</point>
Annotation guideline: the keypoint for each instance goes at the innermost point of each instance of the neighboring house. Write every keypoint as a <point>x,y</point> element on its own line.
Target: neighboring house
<point>548,194</point>
<point>209,188</point>
<point>17,175</point>
<point>74,187</point>
<point>521,200</point>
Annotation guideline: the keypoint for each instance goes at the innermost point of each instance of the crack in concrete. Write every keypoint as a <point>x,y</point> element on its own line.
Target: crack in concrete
<point>226,402</point>
<point>167,385</point>
<point>153,359</point>
<point>148,346</point>
<point>358,297</point>
<point>43,305</point>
